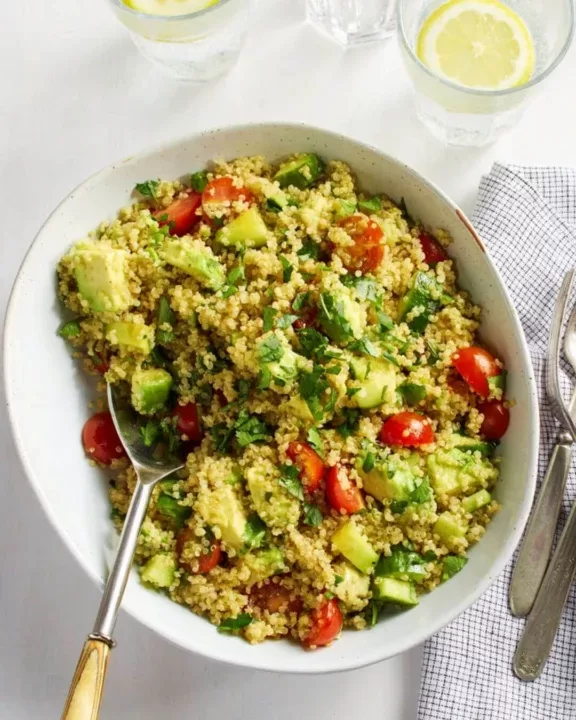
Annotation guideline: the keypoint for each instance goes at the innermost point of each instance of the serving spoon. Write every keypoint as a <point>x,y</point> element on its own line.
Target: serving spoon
<point>86,691</point>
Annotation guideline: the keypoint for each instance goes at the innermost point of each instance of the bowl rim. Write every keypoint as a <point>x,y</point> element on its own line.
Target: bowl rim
<point>333,663</point>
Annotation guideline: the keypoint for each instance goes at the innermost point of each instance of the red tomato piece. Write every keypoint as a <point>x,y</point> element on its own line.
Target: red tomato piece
<point>496,419</point>
<point>433,251</point>
<point>368,250</point>
<point>101,365</point>
<point>223,190</point>
<point>476,365</point>
<point>457,385</point>
<point>203,564</point>
<point>181,215</point>
<point>274,598</point>
<point>100,439</point>
<point>189,422</point>
<point>407,428</point>
<point>326,624</point>
<point>307,319</point>
<point>308,462</point>
<point>342,494</point>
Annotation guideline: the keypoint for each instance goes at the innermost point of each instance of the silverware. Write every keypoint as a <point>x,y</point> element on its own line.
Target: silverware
<point>86,690</point>
<point>537,544</point>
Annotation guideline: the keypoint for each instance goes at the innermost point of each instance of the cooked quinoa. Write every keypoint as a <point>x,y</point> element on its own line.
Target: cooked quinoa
<point>306,347</point>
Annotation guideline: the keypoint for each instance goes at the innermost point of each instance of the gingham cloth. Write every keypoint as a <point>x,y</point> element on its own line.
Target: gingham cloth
<point>527,217</point>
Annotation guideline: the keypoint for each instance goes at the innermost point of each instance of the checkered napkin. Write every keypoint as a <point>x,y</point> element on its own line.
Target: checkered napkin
<point>527,217</point>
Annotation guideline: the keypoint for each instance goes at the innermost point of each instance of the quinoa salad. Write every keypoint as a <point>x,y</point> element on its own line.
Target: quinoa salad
<point>305,346</point>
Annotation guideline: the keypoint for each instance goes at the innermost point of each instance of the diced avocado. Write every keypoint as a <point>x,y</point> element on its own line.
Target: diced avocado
<point>159,570</point>
<point>452,472</point>
<point>300,409</point>
<point>277,360</point>
<point>150,390</point>
<point>196,260</point>
<point>223,509</point>
<point>170,507</point>
<point>377,379</point>
<point>401,564</point>
<point>399,592</point>
<point>248,230</point>
<point>450,527</point>
<point>273,504</point>
<point>479,500</point>
<point>350,541</point>
<point>301,172</point>
<point>468,444</point>
<point>498,381</point>
<point>100,273</point>
<point>340,317</point>
<point>352,587</point>
<point>428,296</point>
<point>390,479</point>
<point>131,336</point>
<point>263,564</point>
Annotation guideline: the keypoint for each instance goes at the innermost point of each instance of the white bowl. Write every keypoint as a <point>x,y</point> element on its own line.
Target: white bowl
<point>44,383</point>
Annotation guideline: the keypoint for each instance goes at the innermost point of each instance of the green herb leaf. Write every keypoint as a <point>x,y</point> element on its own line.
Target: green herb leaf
<point>346,208</point>
<point>236,274</point>
<point>314,439</point>
<point>412,393</point>
<point>254,532</point>
<point>270,349</point>
<point>312,388</point>
<point>229,290</point>
<point>351,391</point>
<point>222,435</point>
<point>338,579</point>
<point>434,351</point>
<point>365,347</point>
<point>369,462</point>
<point>285,321</point>
<point>365,288</point>
<point>312,515</point>
<point>333,320</point>
<point>70,329</point>
<point>300,301</point>
<point>264,378</point>
<point>273,205</point>
<point>287,268</point>
<point>290,481</point>
<point>371,205</point>
<point>234,624</point>
<point>150,432</point>
<point>451,565</point>
<point>148,188</point>
<point>310,250</point>
<point>422,493</point>
<point>198,181</point>
<point>334,370</point>
<point>385,322</point>
<point>329,595</point>
<point>170,433</point>
<point>398,506</point>
<point>250,429</point>
<point>351,418</point>
<point>312,343</point>
<point>268,315</point>
<point>165,316</point>
<point>429,556</point>
<point>243,388</point>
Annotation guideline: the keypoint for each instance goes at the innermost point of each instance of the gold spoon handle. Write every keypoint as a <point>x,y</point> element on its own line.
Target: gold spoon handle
<point>87,688</point>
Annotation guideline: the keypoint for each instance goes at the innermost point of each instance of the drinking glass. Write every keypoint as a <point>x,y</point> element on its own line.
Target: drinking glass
<point>352,22</point>
<point>198,46</point>
<point>459,115</point>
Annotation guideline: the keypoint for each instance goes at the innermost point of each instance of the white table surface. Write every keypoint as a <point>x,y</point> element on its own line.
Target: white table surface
<point>76,96</point>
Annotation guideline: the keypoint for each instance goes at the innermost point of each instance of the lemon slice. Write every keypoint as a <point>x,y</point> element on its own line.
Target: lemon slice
<point>481,44</point>
<point>169,7</point>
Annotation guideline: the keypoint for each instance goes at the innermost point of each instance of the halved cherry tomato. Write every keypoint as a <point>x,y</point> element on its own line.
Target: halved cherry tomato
<point>368,250</point>
<point>274,598</point>
<point>222,190</point>
<point>189,422</point>
<point>181,215</point>
<point>457,385</point>
<point>342,494</point>
<point>476,365</point>
<point>433,251</point>
<point>407,428</point>
<point>203,564</point>
<point>100,439</point>
<point>496,419</point>
<point>308,462</point>
<point>326,624</point>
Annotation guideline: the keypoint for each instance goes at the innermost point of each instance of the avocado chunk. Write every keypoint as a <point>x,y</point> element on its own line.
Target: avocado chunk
<point>131,336</point>
<point>471,445</point>
<point>263,564</point>
<point>351,543</point>
<point>100,273</point>
<point>159,571</point>
<point>301,172</point>
<point>452,472</point>
<point>401,564</point>
<point>170,508</point>
<point>390,479</point>
<point>248,230</point>
<point>479,500</point>
<point>427,296</point>
<point>352,587</point>
<point>222,509</point>
<point>399,592</point>
<point>299,408</point>
<point>279,364</point>
<point>450,527</point>
<point>150,390</point>
<point>376,380</point>
<point>196,260</point>
<point>276,507</point>
<point>340,317</point>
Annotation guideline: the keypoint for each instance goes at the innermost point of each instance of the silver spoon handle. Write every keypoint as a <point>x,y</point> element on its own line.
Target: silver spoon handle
<point>542,624</point>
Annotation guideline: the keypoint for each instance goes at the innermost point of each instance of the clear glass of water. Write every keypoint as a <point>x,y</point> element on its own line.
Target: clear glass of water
<point>458,115</point>
<point>196,47</point>
<point>353,22</point>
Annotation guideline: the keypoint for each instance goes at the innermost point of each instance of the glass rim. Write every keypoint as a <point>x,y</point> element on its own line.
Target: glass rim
<point>168,18</point>
<point>542,75</point>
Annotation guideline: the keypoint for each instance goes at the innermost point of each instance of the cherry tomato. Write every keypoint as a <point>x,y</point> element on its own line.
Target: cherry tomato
<point>368,250</point>
<point>326,624</point>
<point>189,422</point>
<point>476,365</point>
<point>496,419</point>
<point>203,564</point>
<point>100,439</point>
<point>407,428</point>
<point>433,251</point>
<point>223,190</point>
<point>342,494</point>
<point>181,215</point>
<point>457,385</point>
<point>274,598</point>
<point>308,462</point>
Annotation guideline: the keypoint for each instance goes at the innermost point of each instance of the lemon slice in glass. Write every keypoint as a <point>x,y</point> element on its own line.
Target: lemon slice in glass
<point>481,44</point>
<point>169,7</point>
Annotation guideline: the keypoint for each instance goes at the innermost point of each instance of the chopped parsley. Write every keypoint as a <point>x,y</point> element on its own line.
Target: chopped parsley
<point>290,481</point>
<point>221,436</point>
<point>429,556</point>
<point>315,440</point>
<point>165,316</point>
<point>150,432</point>
<point>249,429</point>
<point>369,462</point>
<point>365,288</point>
<point>312,515</point>
<point>314,388</point>
<point>170,433</point>
<point>310,250</point>
<point>333,320</point>
<point>338,579</point>
<point>234,624</point>
<point>148,188</point>
<point>198,181</point>
<point>351,418</point>
<point>365,347</point>
<point>70,329</point>
<point>422,493</point>
<point>235,276</point>
<point>273,205</point>
<point>347,207</point>
<point>329,595</point>
<point>385,322</point>
<point>300,301</point>
<point>285,321</point>
<point>371,205</point>
<point>254,532</point>
<point>434,351</point>
<point>287,269</point>
<point>268,315</point>
<point>451,565</point>
<point>270,349</point>
<point>315,345</point>
<point>398,506</point>
<point>412,393</point>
